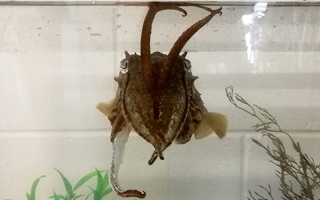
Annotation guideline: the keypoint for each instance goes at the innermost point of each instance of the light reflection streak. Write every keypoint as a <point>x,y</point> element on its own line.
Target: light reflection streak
<point>254,30</point>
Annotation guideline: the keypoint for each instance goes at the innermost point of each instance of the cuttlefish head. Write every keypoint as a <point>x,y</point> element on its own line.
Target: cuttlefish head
<point>155,107</point>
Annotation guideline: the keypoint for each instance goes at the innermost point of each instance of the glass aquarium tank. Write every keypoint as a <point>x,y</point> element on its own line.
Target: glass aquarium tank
<point>258,65</point>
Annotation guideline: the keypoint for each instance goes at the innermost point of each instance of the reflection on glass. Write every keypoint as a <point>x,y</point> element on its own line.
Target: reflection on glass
<point>254,30</point>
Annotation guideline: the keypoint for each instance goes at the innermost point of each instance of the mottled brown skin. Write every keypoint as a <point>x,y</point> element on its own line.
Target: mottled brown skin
<point>178,102</point>
<point>156,96</point>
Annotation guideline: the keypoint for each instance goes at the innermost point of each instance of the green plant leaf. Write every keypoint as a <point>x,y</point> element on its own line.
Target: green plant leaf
<point>67,185</point>
<point>88,196</point>
<point>96,196</point>
<point>29,197</point>
<point>85,179</point>
<point>60,197</point>
<point>100,183</point>
<point>99,188</point>
<point>55,196</point>
<point>32,195</point>
<point>105,181</point>
<point>91,189</point>
<point>107,191</point>
<point>77,196</point>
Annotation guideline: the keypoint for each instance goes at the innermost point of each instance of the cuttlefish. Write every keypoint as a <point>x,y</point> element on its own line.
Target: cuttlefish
<point>157,98</point>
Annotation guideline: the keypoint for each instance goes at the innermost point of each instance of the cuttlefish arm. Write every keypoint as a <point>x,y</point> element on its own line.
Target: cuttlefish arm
<point>153,85</point>
<point>118,151</point>
<point>119,137</point>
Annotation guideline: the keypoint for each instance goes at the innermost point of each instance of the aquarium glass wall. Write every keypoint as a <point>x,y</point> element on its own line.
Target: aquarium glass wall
<point>258,64</point>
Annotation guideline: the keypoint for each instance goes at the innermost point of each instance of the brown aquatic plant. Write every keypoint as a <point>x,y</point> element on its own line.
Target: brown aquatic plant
<point>156,98</point>
<point>299,178</point>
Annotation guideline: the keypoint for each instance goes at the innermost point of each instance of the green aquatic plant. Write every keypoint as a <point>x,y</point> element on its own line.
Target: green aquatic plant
<point>299,178</point>
<point>55,196</point>
<point>99,192</point>
<point>102,188</point>
<point>32,195</point>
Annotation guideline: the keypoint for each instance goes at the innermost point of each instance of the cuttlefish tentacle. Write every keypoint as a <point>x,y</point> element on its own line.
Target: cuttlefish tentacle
<point>154,8</point>
<point>118,151</point>
<point>172,56</point>
<point>119,137</point>
<point>183,39</point>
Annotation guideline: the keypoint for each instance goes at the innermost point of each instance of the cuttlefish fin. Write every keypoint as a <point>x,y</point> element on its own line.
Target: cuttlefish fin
<point>106,108</point>
<point>212,122</point>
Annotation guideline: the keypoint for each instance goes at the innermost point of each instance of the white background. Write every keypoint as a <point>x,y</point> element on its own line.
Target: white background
<point>58,62</point>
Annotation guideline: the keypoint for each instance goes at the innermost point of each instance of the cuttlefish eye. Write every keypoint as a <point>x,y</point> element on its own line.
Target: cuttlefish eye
<point>124,67</point>
<point>187,65</point>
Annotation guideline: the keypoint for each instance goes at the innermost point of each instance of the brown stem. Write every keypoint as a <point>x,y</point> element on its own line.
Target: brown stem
<point>154,8</point>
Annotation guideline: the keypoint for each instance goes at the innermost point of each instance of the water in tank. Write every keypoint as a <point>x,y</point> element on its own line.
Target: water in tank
<point>246,128</point>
